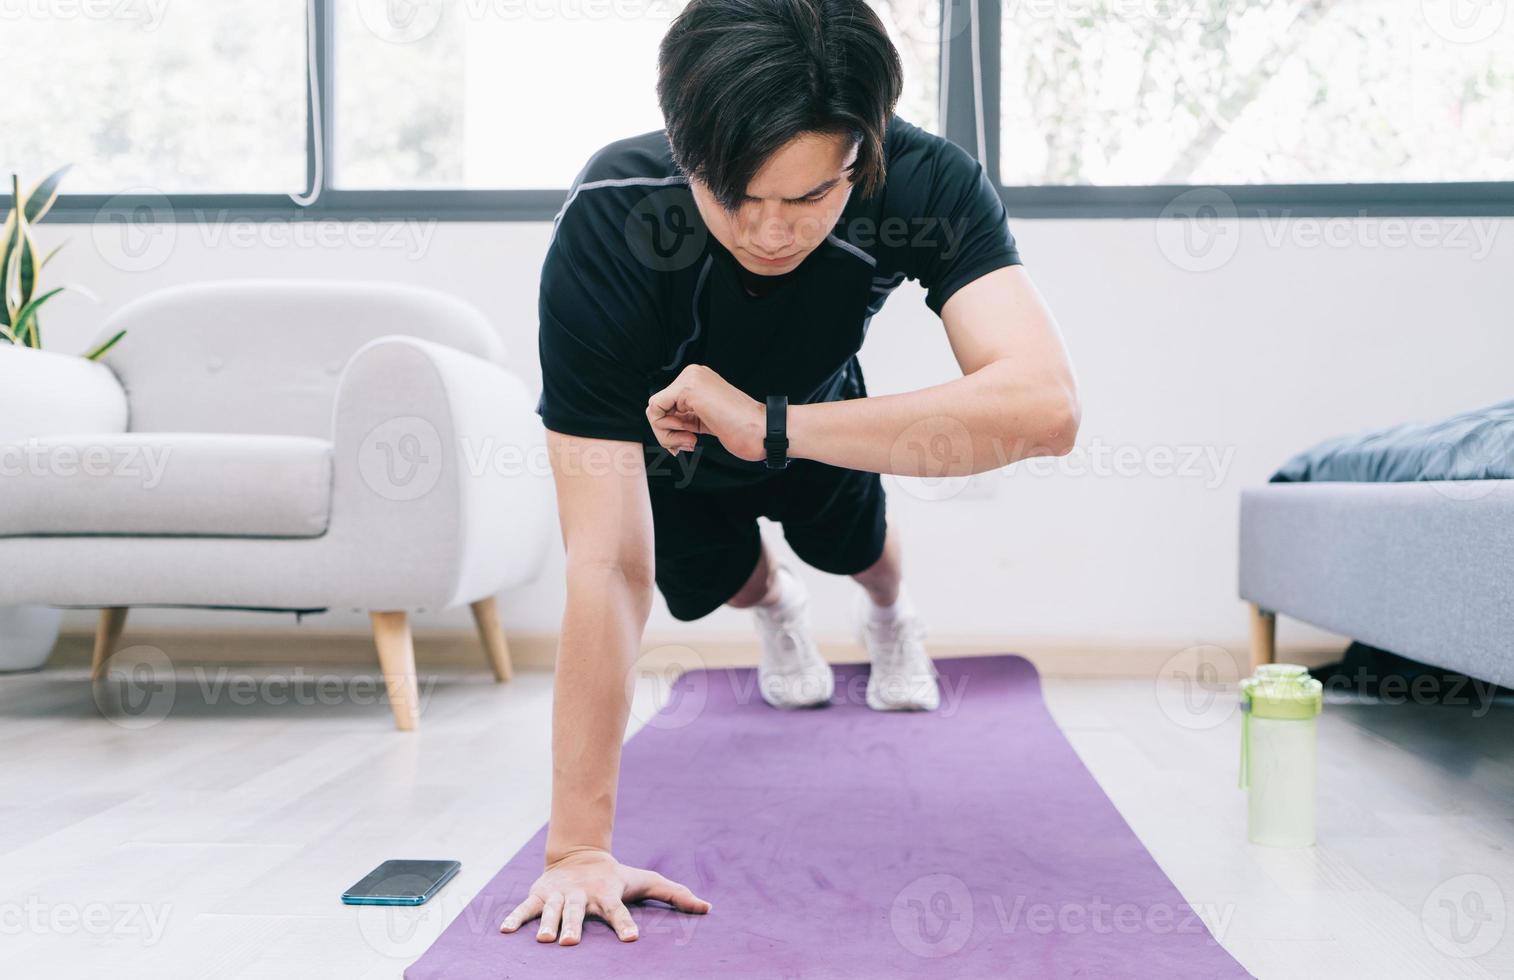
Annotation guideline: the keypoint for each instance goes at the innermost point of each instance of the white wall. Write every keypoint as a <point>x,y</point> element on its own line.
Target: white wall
<point>1307,330</point>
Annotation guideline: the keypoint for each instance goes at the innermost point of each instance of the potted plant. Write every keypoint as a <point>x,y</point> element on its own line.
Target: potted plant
<point>27,633</point>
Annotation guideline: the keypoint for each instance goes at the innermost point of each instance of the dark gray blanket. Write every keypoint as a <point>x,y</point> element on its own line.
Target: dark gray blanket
<point>1473,446</point>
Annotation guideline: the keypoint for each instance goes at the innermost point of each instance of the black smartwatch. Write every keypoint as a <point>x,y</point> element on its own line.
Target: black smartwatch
<point>777,440</point>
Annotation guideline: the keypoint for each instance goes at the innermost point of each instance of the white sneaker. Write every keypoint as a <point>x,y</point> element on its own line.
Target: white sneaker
<point>903,677</point>
<point>791,673</point>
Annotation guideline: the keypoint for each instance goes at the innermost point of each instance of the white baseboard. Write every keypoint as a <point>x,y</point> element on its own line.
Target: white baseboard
<point>456,649</point>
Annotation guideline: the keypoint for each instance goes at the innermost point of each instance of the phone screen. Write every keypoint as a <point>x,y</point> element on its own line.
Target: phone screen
<point>401,883</point>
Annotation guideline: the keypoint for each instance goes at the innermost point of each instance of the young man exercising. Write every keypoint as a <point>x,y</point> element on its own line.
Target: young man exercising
<point>703,300</point>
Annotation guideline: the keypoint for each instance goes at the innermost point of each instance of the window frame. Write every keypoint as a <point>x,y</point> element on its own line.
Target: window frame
<point>964,22</point>
<point>1334,200</point>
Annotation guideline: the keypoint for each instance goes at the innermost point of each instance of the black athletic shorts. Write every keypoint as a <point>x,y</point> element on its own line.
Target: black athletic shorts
<point>708,544</point>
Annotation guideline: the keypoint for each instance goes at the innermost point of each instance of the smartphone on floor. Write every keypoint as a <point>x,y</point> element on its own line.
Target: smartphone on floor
<point>401,883</point>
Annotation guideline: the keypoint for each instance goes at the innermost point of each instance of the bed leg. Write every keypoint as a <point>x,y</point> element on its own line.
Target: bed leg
<point>1263,636</point>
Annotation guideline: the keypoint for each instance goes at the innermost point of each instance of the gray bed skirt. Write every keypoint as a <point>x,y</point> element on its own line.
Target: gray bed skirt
<point>1425,570</point>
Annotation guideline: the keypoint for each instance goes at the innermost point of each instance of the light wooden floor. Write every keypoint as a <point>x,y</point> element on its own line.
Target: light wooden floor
<point>215,843</point>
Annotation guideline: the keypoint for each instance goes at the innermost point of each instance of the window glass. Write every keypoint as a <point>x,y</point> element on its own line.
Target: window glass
<point>205,96</point>
<point>1256,91</point>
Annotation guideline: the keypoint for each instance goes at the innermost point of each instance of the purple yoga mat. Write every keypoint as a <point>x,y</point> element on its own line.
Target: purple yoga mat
<point>843,842</point>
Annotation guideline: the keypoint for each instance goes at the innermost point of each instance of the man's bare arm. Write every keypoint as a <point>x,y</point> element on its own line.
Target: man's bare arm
<point>1017,398</point>
<point>606,522</point>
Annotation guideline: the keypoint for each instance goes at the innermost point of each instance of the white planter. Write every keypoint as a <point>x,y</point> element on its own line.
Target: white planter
<point>43,393</point>
<point>27,635</point>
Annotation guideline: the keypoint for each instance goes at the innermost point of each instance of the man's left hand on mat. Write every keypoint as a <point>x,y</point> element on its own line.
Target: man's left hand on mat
<point>701,401</point>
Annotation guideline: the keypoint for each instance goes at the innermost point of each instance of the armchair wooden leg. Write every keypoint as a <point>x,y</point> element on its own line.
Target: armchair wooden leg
<point>396,651</point>
<point>1263,636</point>
<point>107,635</point>
<point>486,615</point>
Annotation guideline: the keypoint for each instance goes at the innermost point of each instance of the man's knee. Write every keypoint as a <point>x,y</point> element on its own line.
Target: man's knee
<point>758,585</point>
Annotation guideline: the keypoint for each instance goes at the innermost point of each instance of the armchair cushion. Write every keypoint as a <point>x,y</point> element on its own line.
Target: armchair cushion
<point>166,483</point>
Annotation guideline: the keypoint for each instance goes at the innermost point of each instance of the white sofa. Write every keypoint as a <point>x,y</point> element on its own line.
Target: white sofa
<point>286,445</point>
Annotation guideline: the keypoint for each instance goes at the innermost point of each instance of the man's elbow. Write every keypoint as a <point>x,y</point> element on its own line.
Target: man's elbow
<point>1058,418</point>
<point>599,575</point>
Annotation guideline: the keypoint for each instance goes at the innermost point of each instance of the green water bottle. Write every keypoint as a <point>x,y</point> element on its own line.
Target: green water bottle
<point>1279,705</point>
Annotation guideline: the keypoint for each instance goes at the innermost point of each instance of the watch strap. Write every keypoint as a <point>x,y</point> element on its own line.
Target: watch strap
<point>776,442</point>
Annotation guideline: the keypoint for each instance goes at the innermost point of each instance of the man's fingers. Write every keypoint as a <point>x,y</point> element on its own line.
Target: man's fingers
<point>661,889</point>
<point>685,421</point>
<point>551,913</point>
<point>619,918</point>
<point>522,913</point>
<point>572,920</point>
<point>675,421</point>
<point>674,432</point>
<point>670,399</point>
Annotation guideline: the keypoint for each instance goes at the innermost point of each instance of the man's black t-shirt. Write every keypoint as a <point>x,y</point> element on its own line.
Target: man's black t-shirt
<point>634,289</point>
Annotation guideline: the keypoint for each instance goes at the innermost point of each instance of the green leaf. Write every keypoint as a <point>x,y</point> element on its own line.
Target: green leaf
<point>12,238</point>
<point>49,256</point>
<point>10,285</point>
<point>23,320</point>
<point>99,352</point>
<point>44,194</point>
<point>19,277</point>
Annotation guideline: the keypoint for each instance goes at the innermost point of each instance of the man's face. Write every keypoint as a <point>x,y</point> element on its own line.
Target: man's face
<point>791,204</point>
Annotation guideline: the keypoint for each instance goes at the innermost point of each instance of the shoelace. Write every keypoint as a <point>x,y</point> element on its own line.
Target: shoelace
<point>899,639</point>
<point>789,632</point>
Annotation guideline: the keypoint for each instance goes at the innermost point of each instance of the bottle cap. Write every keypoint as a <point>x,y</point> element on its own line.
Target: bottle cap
<point>1282,691</point>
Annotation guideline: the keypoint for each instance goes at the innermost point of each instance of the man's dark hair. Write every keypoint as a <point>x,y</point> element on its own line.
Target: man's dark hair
<point>739,79</point>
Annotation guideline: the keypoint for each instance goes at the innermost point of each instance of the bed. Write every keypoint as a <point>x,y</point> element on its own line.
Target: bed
<point>1400,538</point>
